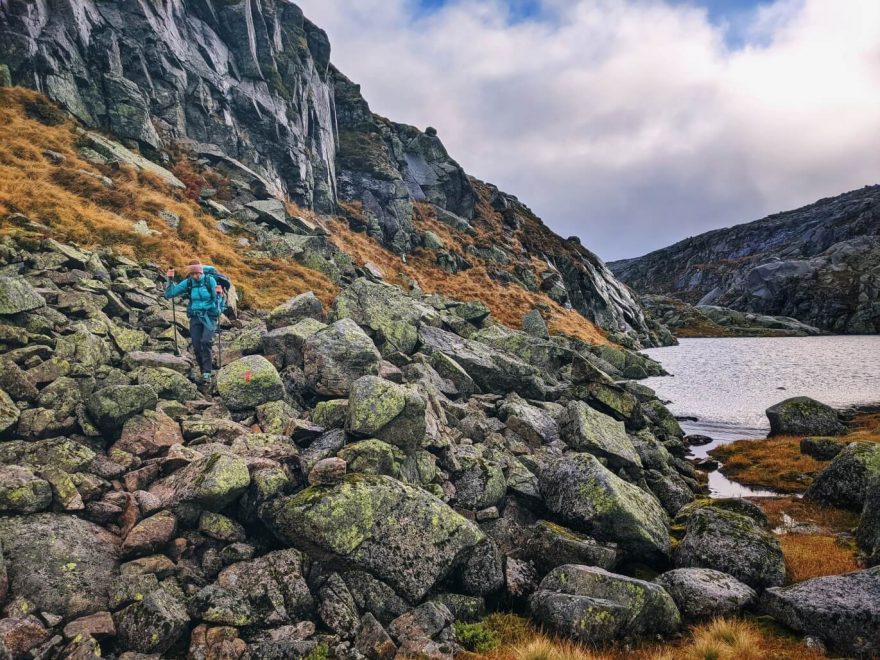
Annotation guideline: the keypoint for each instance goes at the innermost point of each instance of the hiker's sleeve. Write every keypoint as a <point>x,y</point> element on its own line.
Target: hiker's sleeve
<point>173,290</point>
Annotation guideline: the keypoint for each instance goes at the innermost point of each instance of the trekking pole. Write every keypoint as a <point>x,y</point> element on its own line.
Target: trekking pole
<point>173,318</point>
<point>219,339</point>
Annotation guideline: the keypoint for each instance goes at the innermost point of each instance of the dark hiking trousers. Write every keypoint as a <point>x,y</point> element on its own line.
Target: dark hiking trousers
<point>202,336</point>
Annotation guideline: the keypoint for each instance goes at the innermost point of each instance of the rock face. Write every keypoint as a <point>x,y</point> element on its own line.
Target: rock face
<point>246,82</point>
<point>594,606</point>
<point>804,416</point>
<point>842,610</point>
<point>817,264</point>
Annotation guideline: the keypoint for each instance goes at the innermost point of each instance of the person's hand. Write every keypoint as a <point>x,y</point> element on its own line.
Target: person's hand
<point>169,273</point>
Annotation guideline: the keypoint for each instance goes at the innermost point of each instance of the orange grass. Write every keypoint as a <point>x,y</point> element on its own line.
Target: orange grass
<point>507,302</point>
<point>71,204</point>
<point>813,536</point>
<point>720,639</point>
<point>813,555</point>
<point>775,463</point>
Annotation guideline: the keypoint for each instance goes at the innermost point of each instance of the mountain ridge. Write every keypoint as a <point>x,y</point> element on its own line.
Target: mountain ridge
<point>817,264</point>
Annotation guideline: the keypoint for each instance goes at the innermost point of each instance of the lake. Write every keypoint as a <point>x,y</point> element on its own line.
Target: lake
<point>727,384</point>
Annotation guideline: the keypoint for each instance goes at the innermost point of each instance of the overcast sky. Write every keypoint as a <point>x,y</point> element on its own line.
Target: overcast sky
<point>630,123</point>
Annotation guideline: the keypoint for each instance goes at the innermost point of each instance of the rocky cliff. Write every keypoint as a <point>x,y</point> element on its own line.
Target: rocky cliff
<point>248,87</point>
<point>819,264</point>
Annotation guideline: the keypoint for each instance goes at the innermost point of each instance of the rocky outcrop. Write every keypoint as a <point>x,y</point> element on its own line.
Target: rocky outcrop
<point>247,84</point>
<point>686,320</point>
<point>817,264</point>
<point>841,610</point>
<point>354,484</point>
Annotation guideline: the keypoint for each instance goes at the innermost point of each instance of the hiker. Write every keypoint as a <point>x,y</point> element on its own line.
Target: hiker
<point>203,310</point>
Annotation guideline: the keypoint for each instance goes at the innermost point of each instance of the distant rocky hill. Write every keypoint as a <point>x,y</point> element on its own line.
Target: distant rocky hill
<point>246,88</point>
<point>819,264</point>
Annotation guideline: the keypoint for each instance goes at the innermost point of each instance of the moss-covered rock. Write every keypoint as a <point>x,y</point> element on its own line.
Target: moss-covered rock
<point>372,457</point>
<point>152,625</point>
<point>221,527</point>
<point>9,412</point>
<point>249,382</point>
<point>331,414</point>
<point>211,482</point>
<point>61,563</point>
<point>388,411</point>
<point>21,491</point>
<point>590,498</point>
<point>110,407</point>
<point>732,543</point>
<point>393,316</point>
<point>588,430</point>
<point>17,295</point>
<point>593,606</point>
<point>305,305</point>
<point>845,482</point>
<point>337,356</point>
<point>802,415</point>
<point>168,383</point>
<point>400,534</point>
<point>479,483</point>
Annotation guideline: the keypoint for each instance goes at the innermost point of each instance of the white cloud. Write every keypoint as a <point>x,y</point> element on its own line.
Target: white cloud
<point>630,123</point>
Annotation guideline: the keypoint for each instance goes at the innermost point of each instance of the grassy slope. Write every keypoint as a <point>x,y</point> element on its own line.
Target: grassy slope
<point>67,201</point>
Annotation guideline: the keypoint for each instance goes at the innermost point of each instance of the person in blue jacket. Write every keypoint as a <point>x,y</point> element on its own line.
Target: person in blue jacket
<point>202,310</point>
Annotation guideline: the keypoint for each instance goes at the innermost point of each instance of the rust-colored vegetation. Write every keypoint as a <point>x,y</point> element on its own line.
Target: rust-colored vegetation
<point>67,200</point>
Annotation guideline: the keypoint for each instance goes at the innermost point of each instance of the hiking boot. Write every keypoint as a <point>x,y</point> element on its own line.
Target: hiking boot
<point>206,377</point>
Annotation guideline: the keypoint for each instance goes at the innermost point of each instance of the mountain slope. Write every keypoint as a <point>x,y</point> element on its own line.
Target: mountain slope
<point>819,264</point>
<point>246,87</point>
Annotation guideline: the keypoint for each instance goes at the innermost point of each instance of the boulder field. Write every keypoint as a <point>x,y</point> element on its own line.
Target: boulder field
<point>354,481</point>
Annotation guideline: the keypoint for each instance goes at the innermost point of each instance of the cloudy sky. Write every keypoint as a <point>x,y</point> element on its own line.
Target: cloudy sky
<point>631,123</point>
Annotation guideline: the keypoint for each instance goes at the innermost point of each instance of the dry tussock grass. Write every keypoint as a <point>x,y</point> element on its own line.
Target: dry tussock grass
<point>813,546</point>
<point>508,302</point>
<point>814,555</point>
<point>720,639</point>
<point>775,463</point>
<point>70,201</point>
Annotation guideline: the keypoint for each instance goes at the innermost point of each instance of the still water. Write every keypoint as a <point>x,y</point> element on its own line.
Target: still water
<point>727,384</point>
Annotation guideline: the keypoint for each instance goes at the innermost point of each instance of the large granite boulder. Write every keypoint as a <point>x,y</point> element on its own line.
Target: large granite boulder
<point>704,593</point>
<point>593,606</point>
<point>337,356</point>
<point>587,430</point>
<point>9,412</point>
<point>21,491</point>
<point>381,409</point>
<point>17,295</point>
<point>110,407</point>
<point>402,535</point>
<point>249,382</point>
<point>731,542</point>
<point>842,610</point>
<point>210,481</point>
<point>493,370</point>
<point>304,306</point>
<point>388,312</point>
<point>63,564</point>
<point>153,623</point>
<point>845,482</point>
<point>590,498</point>
<point>532,424</point>
<point>802,415</point>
